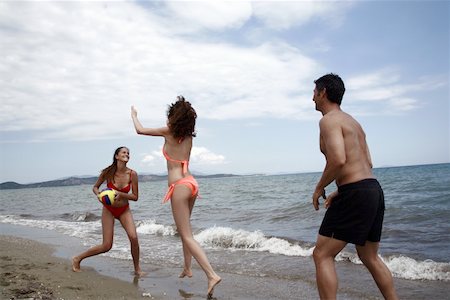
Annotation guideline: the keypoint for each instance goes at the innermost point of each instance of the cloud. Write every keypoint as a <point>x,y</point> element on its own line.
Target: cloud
<point>91,61</point>
<point>203,156</point>
<point>200,156</point>
<point>387,89</point>
<point>148,159</point>
<point>210,15</point>
<point>153,158</point>
<point>71,70</point>
<point>286,14</point>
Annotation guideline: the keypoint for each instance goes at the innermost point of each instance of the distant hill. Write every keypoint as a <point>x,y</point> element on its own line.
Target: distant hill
<point>71,181</point>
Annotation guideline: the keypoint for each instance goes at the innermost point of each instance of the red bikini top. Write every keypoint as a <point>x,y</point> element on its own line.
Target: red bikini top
<point>125,189</point>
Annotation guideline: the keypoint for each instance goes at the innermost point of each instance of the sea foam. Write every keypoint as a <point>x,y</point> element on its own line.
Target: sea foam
<point>151,227</point>
<point>409,268</point>
<point>239,239</point>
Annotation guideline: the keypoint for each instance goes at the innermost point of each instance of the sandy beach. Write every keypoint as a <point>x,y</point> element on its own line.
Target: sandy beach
<point>30,271</point>
<point>35,264</point>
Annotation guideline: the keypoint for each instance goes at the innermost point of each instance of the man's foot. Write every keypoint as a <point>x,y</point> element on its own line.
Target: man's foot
<point>185,273</point>
<point>212,284</point>
<point>76,264</point>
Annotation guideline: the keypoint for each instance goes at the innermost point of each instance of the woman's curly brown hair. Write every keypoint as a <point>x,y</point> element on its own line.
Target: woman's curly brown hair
<point>181,116</point>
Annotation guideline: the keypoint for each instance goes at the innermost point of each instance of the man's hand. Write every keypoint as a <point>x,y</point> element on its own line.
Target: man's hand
<point>317,194</point>
<point>330,199</point>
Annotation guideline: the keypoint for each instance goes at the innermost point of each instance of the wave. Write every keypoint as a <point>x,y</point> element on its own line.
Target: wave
<point>228,238</point>
<point>409,268</point>
<point>81,216</point>
<point>406,267</point>
<point>238,239</point>
<point>76,229</point>
<point>400,266</point>
<point>151,227</point>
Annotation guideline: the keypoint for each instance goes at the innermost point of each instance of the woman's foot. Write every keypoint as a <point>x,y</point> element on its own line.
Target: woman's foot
<point>212,284</point>
<point>185,273</point>
<point>76,264</point>
<point>139,273</point>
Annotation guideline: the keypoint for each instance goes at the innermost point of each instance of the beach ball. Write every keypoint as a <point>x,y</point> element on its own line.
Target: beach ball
<point>107,196</point>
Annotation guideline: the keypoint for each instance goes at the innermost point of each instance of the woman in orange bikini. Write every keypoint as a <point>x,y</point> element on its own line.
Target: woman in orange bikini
<point>121,179</point>
<point>183,188</point>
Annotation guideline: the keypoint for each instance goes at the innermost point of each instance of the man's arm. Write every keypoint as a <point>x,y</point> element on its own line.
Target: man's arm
<point>334,150</point>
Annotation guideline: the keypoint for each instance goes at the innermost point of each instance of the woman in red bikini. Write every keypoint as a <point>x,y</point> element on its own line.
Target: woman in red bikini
<point>121,179</point>
<point>183,188</point>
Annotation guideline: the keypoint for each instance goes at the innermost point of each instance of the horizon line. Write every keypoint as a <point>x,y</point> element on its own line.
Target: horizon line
<point>233,174</point>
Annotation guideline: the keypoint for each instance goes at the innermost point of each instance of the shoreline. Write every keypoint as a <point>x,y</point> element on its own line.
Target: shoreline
<point>29,270</point>
<point>45,257</point>
<point>36,264</point>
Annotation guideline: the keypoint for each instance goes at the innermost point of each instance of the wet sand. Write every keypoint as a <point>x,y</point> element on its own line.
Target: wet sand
<point>30,271</point>
<point>42,270</point>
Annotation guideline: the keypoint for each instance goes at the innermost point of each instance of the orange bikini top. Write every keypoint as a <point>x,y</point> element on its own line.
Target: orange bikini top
<point>184,163</point>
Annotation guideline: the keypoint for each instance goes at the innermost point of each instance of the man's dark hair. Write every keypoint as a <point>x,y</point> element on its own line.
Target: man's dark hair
<point>333,85</point>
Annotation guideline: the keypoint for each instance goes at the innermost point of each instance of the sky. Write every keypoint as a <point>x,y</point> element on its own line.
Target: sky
<point>70,71</point>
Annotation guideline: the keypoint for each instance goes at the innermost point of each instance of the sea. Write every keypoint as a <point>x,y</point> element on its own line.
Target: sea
<point>262,226</point>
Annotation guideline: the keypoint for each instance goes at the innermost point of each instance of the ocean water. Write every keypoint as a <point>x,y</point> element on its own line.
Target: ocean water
<point>257,225</point>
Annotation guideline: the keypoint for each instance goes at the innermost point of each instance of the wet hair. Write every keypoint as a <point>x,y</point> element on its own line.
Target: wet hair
<point>333,85</point>
<point>108,172</point>
<point>181,118</point>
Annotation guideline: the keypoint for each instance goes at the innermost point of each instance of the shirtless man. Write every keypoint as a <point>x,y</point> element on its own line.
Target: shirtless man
<point>355,211</point>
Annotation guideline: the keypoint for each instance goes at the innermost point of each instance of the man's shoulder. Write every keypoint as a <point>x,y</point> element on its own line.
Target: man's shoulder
<point>334,116</point>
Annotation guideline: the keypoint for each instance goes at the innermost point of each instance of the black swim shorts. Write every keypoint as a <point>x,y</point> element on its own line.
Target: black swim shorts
<point>356,214</point>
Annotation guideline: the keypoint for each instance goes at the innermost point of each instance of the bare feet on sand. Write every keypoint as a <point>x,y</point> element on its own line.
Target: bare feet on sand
<point>76,264</point>
<point>212,284</point>
<point>139,273</point>
<point>185,273</point>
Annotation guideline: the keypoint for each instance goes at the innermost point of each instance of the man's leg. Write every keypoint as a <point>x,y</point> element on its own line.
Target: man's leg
<point>380,273</point>
<point>324,253</point>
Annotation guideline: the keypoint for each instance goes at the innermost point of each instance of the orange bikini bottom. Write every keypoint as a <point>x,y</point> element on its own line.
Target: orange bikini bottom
<point>188,181</point>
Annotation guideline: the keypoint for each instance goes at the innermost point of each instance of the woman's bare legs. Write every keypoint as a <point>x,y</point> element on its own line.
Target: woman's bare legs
<point>126,219</point>
<point>108,232</point>
<point>181,214</point>
<point>187,254</point>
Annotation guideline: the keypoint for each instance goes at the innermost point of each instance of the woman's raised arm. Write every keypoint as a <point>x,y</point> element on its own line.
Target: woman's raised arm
<point>146,131</point>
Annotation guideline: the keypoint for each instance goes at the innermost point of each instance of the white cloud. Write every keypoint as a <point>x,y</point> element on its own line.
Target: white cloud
<point>378,78</point>
<point>402,104</point>
<point>388,90</point>
<point>71,70</point>
<point>91,61</point>
<point>199,156</point>
<point>148,159</point>
<point>286,14</point>
<point>212,15</point>
<point>203,156</point>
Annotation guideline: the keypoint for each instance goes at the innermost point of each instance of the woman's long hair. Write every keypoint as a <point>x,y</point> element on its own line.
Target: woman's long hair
<point>108,172</point>
<point>181,118</point>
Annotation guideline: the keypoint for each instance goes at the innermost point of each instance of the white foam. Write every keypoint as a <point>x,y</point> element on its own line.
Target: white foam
<point>237,239</point>
<point>347,256</point>
<point>408,268</point>
<point>151,227</point>
<point>228,238</point>
<point>76,229</point>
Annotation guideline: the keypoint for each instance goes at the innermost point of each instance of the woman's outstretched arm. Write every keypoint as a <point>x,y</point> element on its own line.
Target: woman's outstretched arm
<point>146,131</point>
